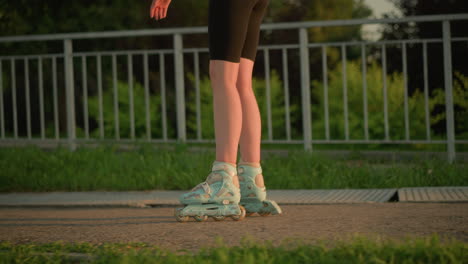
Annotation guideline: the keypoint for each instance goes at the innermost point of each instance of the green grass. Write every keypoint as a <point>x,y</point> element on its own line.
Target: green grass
<point>148,168</point>
<point>357,249</point>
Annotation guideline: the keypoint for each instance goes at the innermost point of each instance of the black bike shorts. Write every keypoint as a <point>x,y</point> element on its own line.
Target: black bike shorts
<point>234,28</point>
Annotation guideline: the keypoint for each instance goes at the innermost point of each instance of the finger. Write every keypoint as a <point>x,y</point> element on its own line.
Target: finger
<point>165,12</point>
<point>161,12</point>
<point>155,12</point>
<point>153,6</point>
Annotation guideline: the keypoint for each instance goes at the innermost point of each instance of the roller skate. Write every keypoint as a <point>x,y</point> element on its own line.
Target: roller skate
<point>216,197</point>
<point>253,198</point>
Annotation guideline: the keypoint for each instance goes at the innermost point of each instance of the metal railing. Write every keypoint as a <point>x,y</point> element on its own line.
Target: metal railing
<point>68,56</point>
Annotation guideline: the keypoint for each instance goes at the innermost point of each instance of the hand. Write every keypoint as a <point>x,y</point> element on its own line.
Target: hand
<point>159,8</point>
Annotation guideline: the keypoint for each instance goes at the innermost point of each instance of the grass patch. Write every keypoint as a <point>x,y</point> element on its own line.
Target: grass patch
<point>147,168</point>
<point>357,249</point>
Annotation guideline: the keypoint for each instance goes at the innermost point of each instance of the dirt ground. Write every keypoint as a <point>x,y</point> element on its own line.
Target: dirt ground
<point>308,222</point>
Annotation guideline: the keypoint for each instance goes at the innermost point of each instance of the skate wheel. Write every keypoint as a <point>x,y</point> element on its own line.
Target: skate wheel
<point>265,214</point>
<point>200,218</point>
<point>241,216</point>
<point>218,217</point>
<point>249,213</point>
<point>179,217</point>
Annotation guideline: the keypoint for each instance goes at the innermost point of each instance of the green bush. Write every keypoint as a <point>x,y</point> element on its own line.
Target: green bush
<point>278,108</point>
<point>139,109</point>
<point>460,102</point>
<point>375,105</point>
<point>376,129</point>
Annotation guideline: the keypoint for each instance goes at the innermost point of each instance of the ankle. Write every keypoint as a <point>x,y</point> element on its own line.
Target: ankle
<point>253,164</point>
<point>235,178</point>
<point>233,164</point>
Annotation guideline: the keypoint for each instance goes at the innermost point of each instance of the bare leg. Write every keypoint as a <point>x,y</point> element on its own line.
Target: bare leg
<point>251,121</point>
<point>227,110</point>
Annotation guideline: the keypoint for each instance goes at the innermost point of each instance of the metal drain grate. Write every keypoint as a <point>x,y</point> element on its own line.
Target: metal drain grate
<point>434,194</point>
<point>331,196</point>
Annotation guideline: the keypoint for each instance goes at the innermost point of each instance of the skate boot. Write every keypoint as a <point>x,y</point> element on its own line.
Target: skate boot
<point>253,198</point>
<point>217,197</point>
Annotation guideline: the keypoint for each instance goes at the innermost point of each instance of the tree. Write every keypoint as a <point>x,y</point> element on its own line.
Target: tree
<point>434,51</point>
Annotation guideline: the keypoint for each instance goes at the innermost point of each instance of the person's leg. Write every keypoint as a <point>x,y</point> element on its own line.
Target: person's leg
<point>253,190</point>
<point>251,121</point>
<point>251,125</point>
<point>227,110</point>
<point>227,29</point>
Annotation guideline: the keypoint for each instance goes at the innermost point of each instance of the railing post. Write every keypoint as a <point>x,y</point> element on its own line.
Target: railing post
<point>448,91</point>
<point>305,88</point>
<point>179,83</point>
<point>69,93</point>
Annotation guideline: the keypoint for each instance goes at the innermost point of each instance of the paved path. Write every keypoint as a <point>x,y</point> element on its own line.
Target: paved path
<point>308,222</point>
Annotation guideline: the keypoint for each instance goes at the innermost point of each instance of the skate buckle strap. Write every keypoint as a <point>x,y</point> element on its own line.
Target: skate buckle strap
<point>205,186</point>
<point>224,167</point>
<point>257,170</point>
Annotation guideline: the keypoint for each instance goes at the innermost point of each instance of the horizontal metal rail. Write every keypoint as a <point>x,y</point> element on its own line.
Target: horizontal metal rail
<point>204,29</point>
<point>205,50</point>
<point>192,140</point>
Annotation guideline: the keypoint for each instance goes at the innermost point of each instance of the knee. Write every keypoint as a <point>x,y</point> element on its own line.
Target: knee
<point>244,86</point>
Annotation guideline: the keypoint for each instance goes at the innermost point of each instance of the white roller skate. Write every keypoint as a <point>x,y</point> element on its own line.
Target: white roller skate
<point>253,198</point>
<point>217,197</point>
